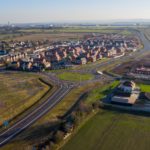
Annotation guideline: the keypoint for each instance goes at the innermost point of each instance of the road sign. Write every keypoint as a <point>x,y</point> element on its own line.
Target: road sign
<point>6,123</point>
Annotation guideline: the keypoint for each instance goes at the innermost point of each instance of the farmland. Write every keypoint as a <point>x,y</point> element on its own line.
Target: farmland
<point>27,138</point>
<point>112,130</point>
<point>42,128</point>
<point>79,30</point>
<point>18,91</point>
<point>73,33</point>
<point>49,36</point>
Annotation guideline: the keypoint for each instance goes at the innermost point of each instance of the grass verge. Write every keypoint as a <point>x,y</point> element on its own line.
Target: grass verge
<point>144,88</point>
<point>18,91</point>
<point>72,76</point>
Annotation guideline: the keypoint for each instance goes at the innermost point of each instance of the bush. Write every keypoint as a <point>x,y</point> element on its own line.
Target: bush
<point>76,118</point>
<point>96,105</point>
<point>84,108</point>
<point>58,136</point>
<point>52,145</point>
<point>66,127</point>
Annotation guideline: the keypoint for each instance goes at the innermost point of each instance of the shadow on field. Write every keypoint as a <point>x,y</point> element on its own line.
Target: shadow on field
<point>131,112</point>
<point>36,133</point>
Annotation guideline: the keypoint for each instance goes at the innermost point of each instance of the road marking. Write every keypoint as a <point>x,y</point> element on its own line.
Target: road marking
<point>33,111</point>
<point>32,121</point>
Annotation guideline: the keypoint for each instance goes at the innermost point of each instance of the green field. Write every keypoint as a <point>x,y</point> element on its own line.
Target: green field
<point>79,30</point>
<point>68,33</point>
<point>40,129</point>
<point>18,91</point>
<point>144,87</point>
<point>72,76</point>
<point>101,92</point>
<point>112,131</point>
<point>9,36</point>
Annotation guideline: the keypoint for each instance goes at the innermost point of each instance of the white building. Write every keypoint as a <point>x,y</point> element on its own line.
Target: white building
<point>127,86</point>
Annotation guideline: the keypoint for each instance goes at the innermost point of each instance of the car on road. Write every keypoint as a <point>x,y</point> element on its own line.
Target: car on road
<point>99,72</point>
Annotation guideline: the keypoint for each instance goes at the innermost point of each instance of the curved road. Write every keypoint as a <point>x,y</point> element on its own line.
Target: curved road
<point>46,106</point>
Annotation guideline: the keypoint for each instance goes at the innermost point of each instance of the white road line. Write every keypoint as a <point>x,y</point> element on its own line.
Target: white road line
<point>10,137</point>
<point>32,112</point>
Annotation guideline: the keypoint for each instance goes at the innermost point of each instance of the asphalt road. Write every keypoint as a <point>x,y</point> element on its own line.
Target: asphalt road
<point>64,89</point>
<point>41,110</point>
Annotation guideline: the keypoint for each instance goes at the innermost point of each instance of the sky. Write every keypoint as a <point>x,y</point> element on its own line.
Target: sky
<point>32,11</point>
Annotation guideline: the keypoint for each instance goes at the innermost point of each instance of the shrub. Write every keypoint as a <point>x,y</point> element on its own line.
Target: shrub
<point>58,136</point>
<point>96,105</point>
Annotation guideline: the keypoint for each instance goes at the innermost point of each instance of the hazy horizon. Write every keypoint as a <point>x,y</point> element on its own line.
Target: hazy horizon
<point>39,11</point>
